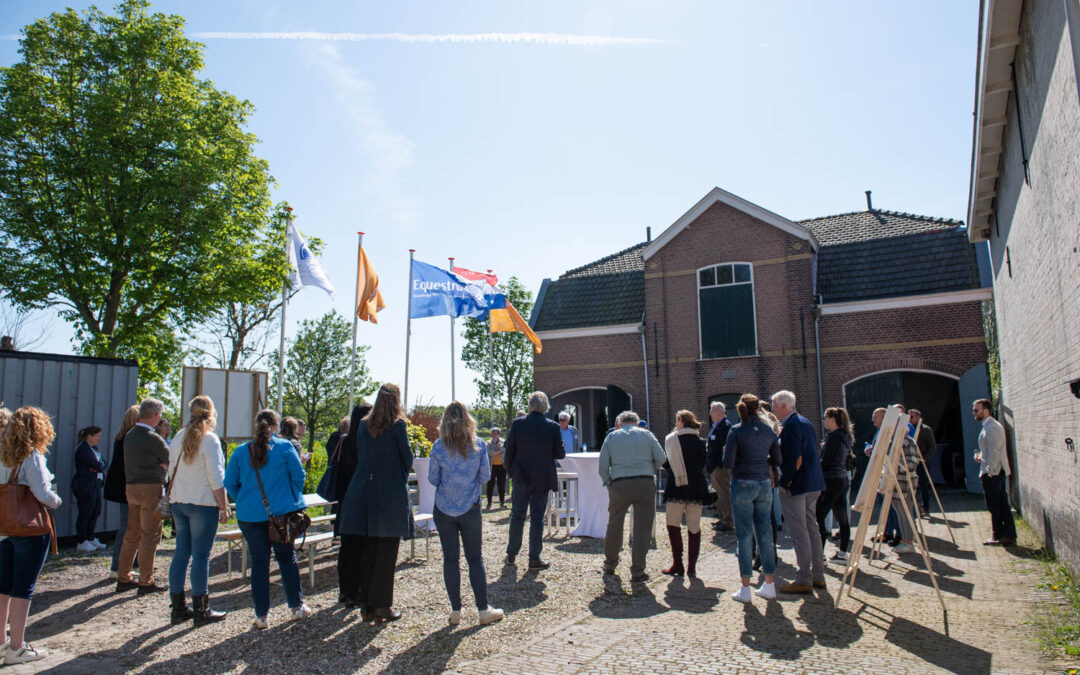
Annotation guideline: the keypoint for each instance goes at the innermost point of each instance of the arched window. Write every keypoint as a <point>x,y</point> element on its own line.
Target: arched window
<point>726,314</point>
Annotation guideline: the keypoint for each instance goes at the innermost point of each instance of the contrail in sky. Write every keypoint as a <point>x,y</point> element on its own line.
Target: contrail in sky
<point>551,39</point>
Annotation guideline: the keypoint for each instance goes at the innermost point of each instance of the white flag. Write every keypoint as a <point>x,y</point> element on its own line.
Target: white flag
<point>304,267</point>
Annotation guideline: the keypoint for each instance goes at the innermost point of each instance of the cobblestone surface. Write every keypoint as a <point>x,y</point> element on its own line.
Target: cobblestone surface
<point>570,619</point>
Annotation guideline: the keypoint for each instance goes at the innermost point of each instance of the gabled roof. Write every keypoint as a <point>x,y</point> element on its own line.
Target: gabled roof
<point>845,228</point>
<point>626,260</point>
<point>592,300</point>
<point>716,195</point>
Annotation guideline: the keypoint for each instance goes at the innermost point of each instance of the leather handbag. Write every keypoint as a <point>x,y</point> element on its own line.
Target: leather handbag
<point>284,529</point>
<point>328,484</point>
<point>21,514</point>
<point>164,507</point>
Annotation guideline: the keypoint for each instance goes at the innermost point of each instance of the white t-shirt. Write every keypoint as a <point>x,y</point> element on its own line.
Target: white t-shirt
<point>195,481</point>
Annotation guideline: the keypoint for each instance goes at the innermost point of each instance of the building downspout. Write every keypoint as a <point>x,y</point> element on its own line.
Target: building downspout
<point>645,363</point>
<point>817,353</point>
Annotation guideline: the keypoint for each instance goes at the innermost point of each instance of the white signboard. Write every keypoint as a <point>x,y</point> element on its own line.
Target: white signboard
<point>238,396</point>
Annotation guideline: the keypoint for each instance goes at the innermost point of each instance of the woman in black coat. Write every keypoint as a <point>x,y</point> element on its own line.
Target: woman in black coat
<point>86,485</point>
<point>686,490</point>
<point>376,513</point>
<point>116,484</point>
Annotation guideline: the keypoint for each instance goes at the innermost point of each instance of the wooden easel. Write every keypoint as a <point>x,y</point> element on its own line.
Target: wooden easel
<point>922,460</point>
<point>888,449</point>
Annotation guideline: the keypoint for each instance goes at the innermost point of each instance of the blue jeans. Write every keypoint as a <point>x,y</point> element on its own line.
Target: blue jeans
<point>259,550</point>
<point>520,500</point>
<point>469,526</point>
<point>195,529</point>
<point>21,559</point>
<point>751,504</point>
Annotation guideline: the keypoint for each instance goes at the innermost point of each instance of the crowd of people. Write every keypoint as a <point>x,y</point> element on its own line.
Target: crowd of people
<point>766,469</point>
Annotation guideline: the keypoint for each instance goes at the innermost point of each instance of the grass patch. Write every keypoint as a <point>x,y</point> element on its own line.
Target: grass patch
<point>1059,622</point>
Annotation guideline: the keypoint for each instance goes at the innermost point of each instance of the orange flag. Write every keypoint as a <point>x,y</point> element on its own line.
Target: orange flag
<point>369,299</point>
<point>509,321</point>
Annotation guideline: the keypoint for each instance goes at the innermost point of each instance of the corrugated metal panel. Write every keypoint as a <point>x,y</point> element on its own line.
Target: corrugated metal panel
<point>76,392</point>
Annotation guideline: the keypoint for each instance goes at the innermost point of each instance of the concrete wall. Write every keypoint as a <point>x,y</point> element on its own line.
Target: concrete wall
<point>1035,252</point>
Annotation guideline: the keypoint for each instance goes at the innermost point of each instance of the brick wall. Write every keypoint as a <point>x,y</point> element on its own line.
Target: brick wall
<point>1035,251</point>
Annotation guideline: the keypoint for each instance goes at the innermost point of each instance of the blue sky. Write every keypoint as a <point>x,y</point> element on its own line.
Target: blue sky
<point>538,155</point>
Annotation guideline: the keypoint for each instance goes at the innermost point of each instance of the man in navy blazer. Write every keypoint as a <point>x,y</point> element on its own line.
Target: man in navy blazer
<point>532,446</point>
<point>801,482</point>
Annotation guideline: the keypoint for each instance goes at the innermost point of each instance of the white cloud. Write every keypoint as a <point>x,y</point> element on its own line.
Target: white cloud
<point>390,154</point>
<point>551,39</point>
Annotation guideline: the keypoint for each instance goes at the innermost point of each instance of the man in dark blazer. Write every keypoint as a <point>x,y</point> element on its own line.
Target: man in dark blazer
<point>801,482</point>
<point>533,445</point>
<point>927,446</point>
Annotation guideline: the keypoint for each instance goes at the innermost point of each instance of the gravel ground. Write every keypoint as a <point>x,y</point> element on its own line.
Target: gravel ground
<point>76,612</point>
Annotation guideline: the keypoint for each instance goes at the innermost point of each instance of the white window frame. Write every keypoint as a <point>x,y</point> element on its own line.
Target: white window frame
<point>753,303</point>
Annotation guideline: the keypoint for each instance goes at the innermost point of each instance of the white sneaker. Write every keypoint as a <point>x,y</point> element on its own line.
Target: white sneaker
<point>839,556</point>
<point>766,590</point>
<point>97,544</point>
<point>260,623</point>
<point>3,650</point>
<point>455,617</point>
<point>490,615</point>
<point>85,547</point>
<point>743,595</point>
<point>903,547</point>
<point>302,612</point>
<point>24,654</point>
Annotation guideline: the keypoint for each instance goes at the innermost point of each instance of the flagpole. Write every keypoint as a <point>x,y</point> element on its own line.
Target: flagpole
<point>284,305</point>
<point>408,332</point>
<point>453,394</point>
<point>491,368</point>
<point>355,323</point>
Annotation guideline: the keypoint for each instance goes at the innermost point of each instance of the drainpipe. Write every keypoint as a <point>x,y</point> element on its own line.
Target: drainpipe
<point>645,363</point>
<point>817,353</point>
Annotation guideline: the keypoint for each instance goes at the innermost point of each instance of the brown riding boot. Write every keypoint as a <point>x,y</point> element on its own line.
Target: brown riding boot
<point>675,535</point>
<point>694,548</point>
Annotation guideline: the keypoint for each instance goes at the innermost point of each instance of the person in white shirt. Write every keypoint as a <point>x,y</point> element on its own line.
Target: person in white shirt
<point>197,495</point>
<point>994,473</point>
<point>22,450</point>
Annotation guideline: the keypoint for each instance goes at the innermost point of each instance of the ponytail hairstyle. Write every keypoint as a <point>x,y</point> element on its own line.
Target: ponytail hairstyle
<point>748,407</point>
<point>265,422</point>
<point>689,421</point>
<point>289,428</point>
<point>457,429</point>
<point>87,432</point>
<point>130,418</point>
<point>843,421</point>
<point>203,421</point>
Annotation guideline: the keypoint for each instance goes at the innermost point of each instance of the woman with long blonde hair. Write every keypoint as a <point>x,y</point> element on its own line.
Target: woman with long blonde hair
<point>22,451</point>
<point>197,495</point>
<point>458,470</point>
<point>376,513</point>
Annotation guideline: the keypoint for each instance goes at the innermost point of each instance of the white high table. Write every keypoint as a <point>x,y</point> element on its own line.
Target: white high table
<point>592,495</point>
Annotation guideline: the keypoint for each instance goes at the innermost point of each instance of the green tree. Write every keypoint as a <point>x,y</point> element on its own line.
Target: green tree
<point>129,189</point>
<point>317,374</point>
<point>512,379</point>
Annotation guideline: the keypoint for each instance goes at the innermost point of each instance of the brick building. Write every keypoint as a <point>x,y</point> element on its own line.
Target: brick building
<point>1025,201</point>
<point>859,309</point>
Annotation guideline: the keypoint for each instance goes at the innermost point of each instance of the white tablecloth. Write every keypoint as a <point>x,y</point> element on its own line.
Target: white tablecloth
<point>427,490</point>
<point>593,496</point>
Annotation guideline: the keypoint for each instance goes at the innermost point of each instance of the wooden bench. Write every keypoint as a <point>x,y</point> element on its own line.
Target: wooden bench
<point>235,538</point>
<point>311,548</point>
<point>329,518</point>
<point>418,520</point>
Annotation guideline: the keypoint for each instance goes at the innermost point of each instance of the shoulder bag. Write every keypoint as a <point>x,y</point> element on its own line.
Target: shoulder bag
<point>284,529</point>
<point>164,508</point>
<point>21,514</point>
<point>328,484</point>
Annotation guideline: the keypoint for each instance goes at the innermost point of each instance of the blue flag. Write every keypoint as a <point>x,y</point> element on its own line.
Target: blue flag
<point>439,292</point>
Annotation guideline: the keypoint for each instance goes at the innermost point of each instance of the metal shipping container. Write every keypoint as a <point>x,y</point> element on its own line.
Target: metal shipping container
<point>76,391</point>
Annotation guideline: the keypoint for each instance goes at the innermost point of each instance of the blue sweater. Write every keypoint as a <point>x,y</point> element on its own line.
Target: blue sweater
<point>458,480</point>
<point>798,440</point>
<point>282,478</point>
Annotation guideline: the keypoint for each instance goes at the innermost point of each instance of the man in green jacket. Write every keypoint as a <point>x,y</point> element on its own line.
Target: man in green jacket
<point>146,461</point>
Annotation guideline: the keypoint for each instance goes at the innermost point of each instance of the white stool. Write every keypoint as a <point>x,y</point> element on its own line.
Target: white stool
<point>563,504</point>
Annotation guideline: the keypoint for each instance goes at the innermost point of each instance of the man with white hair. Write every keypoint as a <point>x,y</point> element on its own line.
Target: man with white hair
<point>629,460</point>
<point>719,477</point>
<point>532,446</point>
<point>570,436</point>
<point>801,482</point>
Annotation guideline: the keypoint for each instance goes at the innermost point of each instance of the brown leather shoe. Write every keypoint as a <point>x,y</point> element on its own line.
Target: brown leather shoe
<point>820,584</point>
<point>796,589</point>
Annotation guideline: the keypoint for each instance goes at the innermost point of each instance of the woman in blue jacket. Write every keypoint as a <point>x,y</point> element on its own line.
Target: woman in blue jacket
<point>86,486</point>
<point>376,513</point>
<point>273,461</point>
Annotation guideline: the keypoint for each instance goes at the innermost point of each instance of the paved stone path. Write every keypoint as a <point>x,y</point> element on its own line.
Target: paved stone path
<point>893,622</point>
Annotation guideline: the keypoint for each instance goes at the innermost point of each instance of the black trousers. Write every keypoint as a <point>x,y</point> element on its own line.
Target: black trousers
<point>997,502</point>
<point>366,569</point>
<point>832,499</point>
<point>924,489</point>
<point>89,504</point>
<point>498,474</point>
